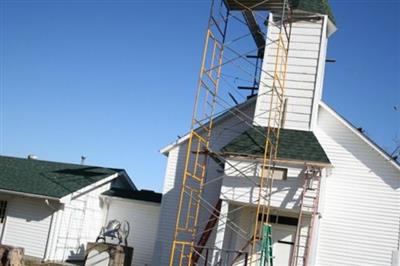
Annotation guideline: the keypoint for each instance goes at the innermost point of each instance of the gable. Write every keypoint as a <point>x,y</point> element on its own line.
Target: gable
<point>241,110</point>
<point>330,119</point>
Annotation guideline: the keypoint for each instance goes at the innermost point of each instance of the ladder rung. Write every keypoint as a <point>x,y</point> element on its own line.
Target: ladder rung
<point>202,125</point>
<point>210,77</point>
<point>198,179</point>
<point>201,139</point>
<point>184,229</point>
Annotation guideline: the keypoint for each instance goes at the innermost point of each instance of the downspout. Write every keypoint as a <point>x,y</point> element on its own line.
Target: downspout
<point>47,202</point>
<point>107,202</point>
<point>3,229</point>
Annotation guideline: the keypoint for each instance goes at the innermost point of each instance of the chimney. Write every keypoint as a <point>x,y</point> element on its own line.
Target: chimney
<point>83,158</point>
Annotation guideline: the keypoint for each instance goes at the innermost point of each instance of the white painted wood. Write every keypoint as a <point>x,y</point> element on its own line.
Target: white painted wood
<point>319,82</point>
<point>220,232</point>
<point>304,73</point>
<point>96,258</point>
<point>282,251</point>
<point>241,179</point>
<point>143,220</point>
<point>27,225</point>
<point>361,210</point>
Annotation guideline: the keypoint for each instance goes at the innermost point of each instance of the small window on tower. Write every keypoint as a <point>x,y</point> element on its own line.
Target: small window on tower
<point>277,173</point>
<point>3,207</point>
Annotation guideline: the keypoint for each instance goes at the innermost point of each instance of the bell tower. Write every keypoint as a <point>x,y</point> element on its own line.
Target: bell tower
<point>310,30</point>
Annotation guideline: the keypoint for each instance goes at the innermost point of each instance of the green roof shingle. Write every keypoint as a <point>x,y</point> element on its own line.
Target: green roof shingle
<point>293,145</point>
<point>314,6</point>
<point>309,6</point>
<point>50,179</point>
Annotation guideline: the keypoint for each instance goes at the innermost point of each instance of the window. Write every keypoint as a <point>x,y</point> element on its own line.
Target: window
<point>278,219</point>
<point>3,206</point>
<point>278,173</point>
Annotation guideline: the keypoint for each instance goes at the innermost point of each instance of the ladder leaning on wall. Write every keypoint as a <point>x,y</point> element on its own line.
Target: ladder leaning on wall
<point>308,214</point>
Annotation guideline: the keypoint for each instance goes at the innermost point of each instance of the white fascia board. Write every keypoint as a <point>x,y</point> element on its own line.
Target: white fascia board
<point>88,188</point>
<point>144,202</point>
<point>359,134</point>
<point>28,195</point>
<point>170,146</point>
<point>331,28</point>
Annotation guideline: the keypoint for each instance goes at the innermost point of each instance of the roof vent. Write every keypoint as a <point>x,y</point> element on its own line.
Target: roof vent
<point>32,157</point>
<point>83,158</point>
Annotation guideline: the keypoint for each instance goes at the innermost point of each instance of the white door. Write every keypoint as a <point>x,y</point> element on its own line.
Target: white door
<point>283,239</point>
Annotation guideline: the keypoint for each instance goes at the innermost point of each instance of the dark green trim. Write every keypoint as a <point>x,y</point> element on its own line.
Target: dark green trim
<point>143,195</point>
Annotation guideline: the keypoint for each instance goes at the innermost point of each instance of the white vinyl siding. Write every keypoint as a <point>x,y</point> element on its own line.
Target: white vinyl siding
<point>307,46</point>
<point>361,210</point>
<point>27,225</point>
<point>76,224</point>
<point>143,220</point>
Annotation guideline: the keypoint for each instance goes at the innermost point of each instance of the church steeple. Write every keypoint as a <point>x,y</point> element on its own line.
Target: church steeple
<point>312,24</point>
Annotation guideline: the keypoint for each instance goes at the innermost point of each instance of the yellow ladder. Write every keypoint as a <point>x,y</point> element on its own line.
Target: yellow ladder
<point>276,109</point>
<point>184,251</point>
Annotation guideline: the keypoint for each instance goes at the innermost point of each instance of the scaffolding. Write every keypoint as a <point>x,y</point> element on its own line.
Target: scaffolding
<point>234,26</point>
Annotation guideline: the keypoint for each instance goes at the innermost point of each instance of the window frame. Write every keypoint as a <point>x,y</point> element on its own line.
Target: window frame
<point>284,170</point>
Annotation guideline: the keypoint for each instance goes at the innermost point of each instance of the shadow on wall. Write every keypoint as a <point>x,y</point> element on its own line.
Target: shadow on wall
<point>287,191</point>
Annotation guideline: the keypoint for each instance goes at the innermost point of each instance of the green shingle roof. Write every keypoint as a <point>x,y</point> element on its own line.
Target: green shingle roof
<point>310,6</point>
<point>314,6</point>
<point>50,179</point>
<point>143,195</point>
<point>293,145</point>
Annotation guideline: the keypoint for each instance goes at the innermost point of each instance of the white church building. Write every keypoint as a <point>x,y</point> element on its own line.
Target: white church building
<point>358,221</point>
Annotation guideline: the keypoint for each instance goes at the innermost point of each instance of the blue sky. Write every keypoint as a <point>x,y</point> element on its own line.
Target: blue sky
<point>115,80</point>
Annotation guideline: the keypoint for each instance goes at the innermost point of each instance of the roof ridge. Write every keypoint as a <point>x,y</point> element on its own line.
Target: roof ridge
<point>57,162</point>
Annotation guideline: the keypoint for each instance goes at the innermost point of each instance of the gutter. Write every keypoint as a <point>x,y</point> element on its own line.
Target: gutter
<point>29,195</point>
<point>283,161</point>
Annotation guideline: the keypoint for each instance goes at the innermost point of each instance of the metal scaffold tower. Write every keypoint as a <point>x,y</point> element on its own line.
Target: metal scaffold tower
<point>234,26</point>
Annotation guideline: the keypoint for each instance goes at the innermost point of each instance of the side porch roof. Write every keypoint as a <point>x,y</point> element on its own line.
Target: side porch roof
<point>294,145</point>
<point>52,180</point>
